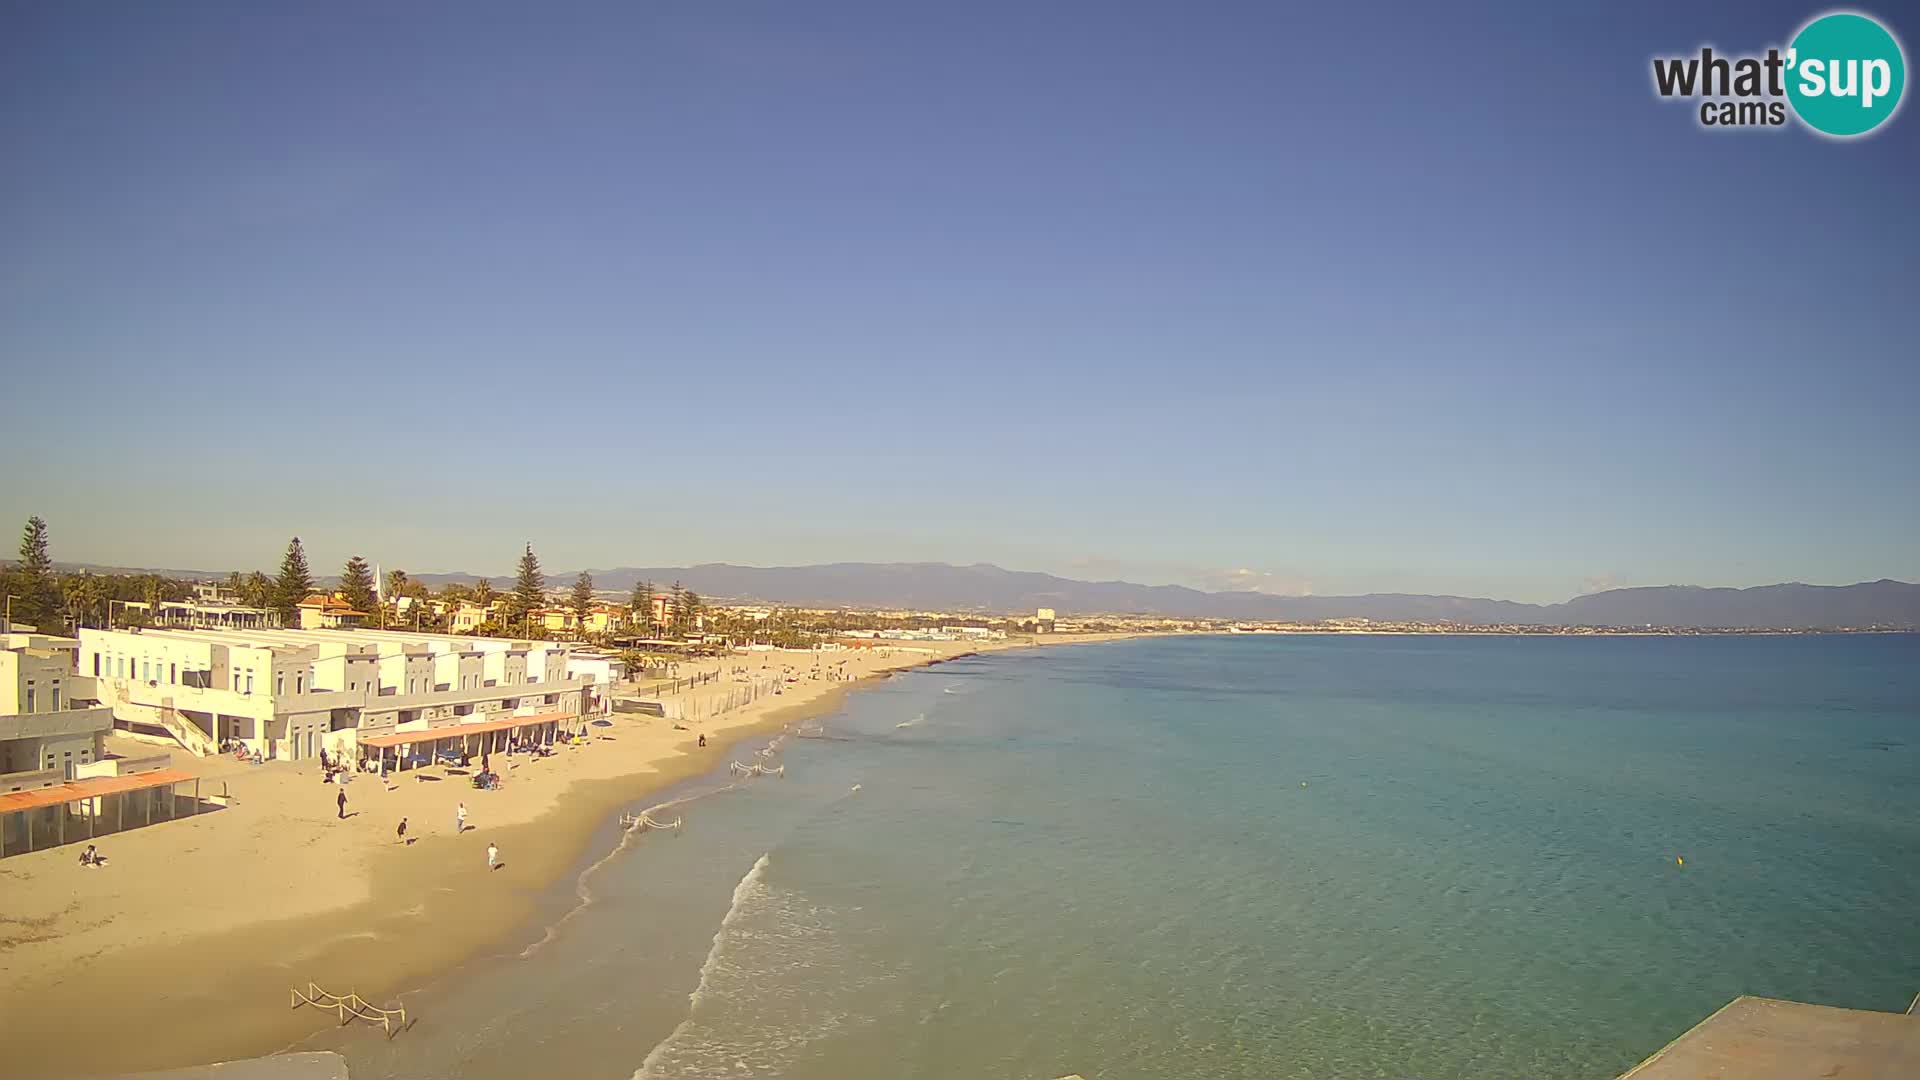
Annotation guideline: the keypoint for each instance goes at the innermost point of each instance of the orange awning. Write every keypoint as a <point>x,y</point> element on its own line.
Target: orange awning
<point>455,731</point>
<point>93,788</point>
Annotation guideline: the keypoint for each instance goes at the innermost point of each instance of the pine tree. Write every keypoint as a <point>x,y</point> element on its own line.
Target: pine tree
<point>690,602</point>
<point>643,603</point>
<point>293,584</point>
<point>677,601</point>
<point>356,582</point>
<point>530,588</point>
<point>582,599</point>
<point>37,593</point>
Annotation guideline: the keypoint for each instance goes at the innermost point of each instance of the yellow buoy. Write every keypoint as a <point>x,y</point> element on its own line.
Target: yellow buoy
<point>1678,861</point>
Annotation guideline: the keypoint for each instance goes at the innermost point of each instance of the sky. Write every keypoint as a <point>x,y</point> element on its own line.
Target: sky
<point>1329,299</point>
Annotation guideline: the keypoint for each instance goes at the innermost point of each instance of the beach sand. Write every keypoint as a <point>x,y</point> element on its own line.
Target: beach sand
<point>184,948</point>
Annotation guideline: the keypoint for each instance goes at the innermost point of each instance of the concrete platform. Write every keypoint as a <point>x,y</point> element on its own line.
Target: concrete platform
<point>1754,1038</point>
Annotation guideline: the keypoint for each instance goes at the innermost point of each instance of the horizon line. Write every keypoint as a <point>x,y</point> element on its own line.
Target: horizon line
<point>205,574</point>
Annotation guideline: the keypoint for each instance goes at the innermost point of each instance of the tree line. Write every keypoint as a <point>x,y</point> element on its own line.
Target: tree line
<point>55,602</point>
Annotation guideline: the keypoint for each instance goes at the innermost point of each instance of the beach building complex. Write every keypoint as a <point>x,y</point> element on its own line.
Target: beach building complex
<point>291,693</point>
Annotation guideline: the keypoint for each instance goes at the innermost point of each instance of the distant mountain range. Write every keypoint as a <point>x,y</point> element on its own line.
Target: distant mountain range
<point>990,589</point>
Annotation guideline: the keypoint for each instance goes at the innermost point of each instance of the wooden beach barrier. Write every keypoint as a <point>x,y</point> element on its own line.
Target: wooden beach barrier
<point>352,1007</point>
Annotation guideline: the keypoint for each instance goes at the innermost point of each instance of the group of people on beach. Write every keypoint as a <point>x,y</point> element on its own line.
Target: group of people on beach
<point>334,770</point>
<point>459,827</point>
<point>241,752</point>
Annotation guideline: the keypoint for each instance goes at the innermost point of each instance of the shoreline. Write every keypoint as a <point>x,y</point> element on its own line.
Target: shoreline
<point>362,912</point>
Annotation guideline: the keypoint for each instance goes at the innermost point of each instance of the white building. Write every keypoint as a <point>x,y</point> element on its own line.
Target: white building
<point>50,726</point>
<point>290,693</point>
<point>198,614</point>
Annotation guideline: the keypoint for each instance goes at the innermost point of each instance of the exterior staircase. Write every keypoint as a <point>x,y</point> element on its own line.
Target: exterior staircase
<point>163,716</point>
<point>188,732</point>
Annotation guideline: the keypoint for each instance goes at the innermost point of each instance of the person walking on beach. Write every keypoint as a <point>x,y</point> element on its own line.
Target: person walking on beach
<point>493,856</point>
<point>460,820</point>
<point>341,802</point>
<point>401,832</point>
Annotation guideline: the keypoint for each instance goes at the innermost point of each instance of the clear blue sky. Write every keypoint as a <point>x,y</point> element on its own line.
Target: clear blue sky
<point>1357,296</point>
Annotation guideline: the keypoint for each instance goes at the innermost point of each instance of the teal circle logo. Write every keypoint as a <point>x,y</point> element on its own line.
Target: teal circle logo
<point>1845,74</point>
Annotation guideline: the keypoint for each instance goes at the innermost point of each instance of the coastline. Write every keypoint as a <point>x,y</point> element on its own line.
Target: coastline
<point>339,903</point>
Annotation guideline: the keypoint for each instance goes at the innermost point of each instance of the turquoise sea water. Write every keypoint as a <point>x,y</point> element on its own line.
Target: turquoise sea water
<point>1243,856</point>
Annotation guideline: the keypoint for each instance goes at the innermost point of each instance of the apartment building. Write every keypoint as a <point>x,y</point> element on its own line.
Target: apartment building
<point>50,726</point>
<point>467,618</point>
<point>290,693</point>
<point>600,619</point>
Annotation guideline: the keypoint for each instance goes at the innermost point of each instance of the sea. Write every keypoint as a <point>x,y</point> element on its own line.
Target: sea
<point>1236,856</point>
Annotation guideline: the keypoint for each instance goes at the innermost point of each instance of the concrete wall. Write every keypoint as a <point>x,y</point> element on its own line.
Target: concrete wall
<point>30,780</point>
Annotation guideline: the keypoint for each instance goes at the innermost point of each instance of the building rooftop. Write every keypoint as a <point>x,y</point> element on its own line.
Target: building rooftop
<point>329,605</point>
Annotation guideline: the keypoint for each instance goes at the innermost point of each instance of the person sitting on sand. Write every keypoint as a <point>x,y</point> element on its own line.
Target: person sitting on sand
<point>92,857</point>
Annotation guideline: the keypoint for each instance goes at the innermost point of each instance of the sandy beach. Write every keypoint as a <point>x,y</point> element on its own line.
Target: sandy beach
<point>186,944</point>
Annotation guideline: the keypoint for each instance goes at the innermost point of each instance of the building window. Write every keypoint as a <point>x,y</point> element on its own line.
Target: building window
<point>299,682</point>
<point>249,682</point>
<point>56,699</point>
<point>30,693</point>
<point>96,665</point>
<point>279,683</point>
<point>173,674</point>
